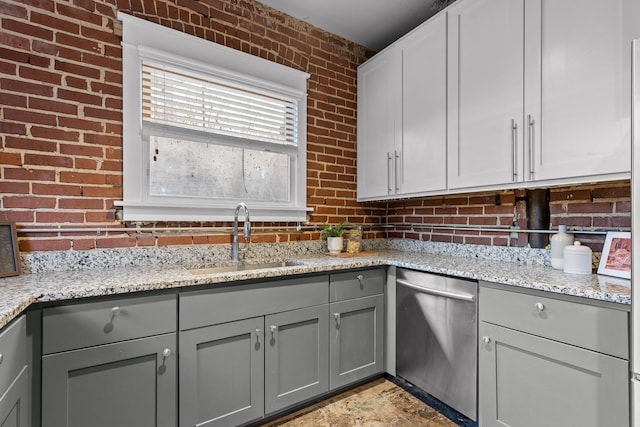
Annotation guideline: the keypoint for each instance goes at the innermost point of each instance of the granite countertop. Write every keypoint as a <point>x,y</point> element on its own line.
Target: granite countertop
<point>19,292</point>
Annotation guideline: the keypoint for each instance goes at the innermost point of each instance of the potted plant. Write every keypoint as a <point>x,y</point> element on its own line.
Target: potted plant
<point>333,234</point>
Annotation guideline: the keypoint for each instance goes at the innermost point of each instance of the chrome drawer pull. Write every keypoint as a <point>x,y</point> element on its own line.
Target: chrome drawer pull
<point>539,306</point>
<point>486,340</point>
<point>166,352</point>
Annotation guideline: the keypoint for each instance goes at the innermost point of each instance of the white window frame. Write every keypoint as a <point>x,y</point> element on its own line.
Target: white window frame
<point>143,40</point>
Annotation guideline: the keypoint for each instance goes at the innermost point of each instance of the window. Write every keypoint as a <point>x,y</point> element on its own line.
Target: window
<point>206,127</point>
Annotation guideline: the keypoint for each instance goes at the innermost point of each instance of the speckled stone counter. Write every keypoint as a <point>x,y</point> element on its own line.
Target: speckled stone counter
<point>121,275</point>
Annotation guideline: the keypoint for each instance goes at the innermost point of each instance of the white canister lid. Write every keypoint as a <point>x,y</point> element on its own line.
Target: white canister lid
<point>577,259</point>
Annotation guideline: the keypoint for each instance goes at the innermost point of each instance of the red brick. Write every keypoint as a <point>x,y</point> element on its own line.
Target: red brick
<point>28,116</point>
<point>29,174</point>
<point>39,75</point>
<point>10,187</point>
<point>30,144</point>
<point>82,178</point>
<point>27,29</point>
<point>13,40</point>
<point>7,9</point>
<point>56,189</point>
<point>44,245</point>
<point>78,15</point>
<point>26,87</point>
<point>80,204</point>
<point>56,134</point>
<point>43,160</point>
<point>55,23</point>
<point>81,150</point>
<point>573,208</point>
<point>77,69</point>
<point>88,164</point>
<point>13,128</point>
<point>82,124</point>
<point>14,159</point>
<point>50,217</point>
<point>52,105</point>
<point>80,97</point>
<point>29,202</point>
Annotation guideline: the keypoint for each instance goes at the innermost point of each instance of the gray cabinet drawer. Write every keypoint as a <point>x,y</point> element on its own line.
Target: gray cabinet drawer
<point>236,302</point>
<point>13,352</point>
<point>85,325</point>
<point>595,328</point>
<point>356,284</point>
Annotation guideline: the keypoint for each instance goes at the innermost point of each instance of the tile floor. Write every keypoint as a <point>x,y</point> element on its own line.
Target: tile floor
<point>377,403</point>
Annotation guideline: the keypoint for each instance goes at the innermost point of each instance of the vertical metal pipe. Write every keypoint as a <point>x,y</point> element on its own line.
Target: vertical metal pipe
<point>538,216</point>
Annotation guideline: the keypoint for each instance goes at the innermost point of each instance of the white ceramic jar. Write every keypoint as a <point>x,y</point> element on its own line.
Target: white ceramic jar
<point>577,259</point>
<point>558,243</point>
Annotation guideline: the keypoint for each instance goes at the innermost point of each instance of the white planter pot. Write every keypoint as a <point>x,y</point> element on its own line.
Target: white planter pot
<point>335,244</point>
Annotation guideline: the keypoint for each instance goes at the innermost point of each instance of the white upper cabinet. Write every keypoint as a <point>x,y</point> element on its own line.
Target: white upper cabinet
<point>486,70</point>
<point>539,91</point>
<point>424,114</point>
<point>402,99</point>
<point>379,124</point>
<point>578,81</point>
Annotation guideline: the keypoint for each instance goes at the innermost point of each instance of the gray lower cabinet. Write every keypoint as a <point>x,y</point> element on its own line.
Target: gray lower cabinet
<point>131,383</point>
<point>110,363</point>
<point>222,374</point>
<point>236,372</point>
<point>251,350</point>
<point>14,406</point>
<point>296,358</point>
<point>356,340</point>
<point>14,388</point>
<point>550,362</point>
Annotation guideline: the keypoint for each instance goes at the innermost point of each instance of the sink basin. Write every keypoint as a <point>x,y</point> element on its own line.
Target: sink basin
<point>243,267</point>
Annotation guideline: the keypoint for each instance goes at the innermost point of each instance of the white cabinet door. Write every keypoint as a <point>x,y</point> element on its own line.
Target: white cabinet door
<point>577,87</point>
<point>486,73</point>
<point>379,124</point>
<point>424,109</point>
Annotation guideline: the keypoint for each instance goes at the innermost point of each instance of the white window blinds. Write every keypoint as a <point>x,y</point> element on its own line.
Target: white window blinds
<point>203,103</point>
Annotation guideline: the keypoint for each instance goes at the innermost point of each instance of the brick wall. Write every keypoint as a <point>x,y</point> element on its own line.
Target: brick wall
<point>61,120</point>
<point>61,127</point>
<point>584,208</point>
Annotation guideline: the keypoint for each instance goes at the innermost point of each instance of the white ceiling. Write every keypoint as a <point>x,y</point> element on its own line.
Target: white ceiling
<point>371,23</point>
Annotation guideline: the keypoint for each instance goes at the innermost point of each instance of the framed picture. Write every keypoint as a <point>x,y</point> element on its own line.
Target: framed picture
<point>9,255</point>
<point>616,255</point>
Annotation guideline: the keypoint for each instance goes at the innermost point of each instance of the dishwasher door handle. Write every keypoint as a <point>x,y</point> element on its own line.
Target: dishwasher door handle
<point>446,294</point>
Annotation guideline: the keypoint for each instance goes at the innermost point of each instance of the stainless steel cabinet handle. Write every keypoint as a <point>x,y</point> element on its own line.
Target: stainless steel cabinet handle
<point>486,340</point>
<point>258,331</point>
<point>166,352</point>
<point>389,166</point>
<point>337,317</point>
<point>115,311</point>
<point>539,306</point>
<point>360,277</point>
<point>532,163</point>
<point>514,141</point>
<point>397,169</point>
<point>273,329</point>
<point>437,292</point>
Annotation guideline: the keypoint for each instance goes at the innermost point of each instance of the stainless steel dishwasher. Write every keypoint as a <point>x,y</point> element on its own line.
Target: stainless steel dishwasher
<point>436,337</point>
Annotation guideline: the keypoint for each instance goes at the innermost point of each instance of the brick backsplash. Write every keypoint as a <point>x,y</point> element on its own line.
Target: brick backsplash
<point>61,130</point>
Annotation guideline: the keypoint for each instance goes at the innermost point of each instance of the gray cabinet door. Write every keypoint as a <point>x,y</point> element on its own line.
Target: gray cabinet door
<point>528,381</point>
<point>126,384</point>
<point>296,356</point>
<point>222,374</point>
<point>356,340</point>
<point>14,402</point>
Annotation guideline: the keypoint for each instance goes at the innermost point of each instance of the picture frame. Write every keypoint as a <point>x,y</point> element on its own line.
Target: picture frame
<point>9,254</point>
<point>616,255</point>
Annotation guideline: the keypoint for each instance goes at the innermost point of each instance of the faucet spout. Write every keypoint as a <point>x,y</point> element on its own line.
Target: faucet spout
<point>235,247</point>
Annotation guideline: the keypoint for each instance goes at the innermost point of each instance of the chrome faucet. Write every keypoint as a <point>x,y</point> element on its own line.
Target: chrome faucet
<point>235,249</point>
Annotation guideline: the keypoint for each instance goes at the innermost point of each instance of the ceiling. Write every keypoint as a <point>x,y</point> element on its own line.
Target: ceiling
<point>371,23</point>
